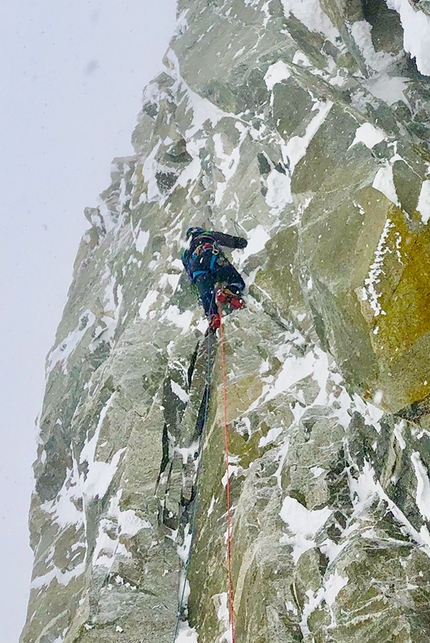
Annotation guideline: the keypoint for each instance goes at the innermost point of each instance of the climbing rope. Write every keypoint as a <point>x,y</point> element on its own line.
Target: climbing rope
<point>227,486</point>
<point>230,593</point>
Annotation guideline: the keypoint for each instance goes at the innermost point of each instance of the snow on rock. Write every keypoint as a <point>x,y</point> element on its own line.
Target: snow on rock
<point>146,304</point>
<point>423,206</point>
<point>384,182</point>
<point>296,147</point>
<point>186,634</point>
<point>142,241</point>
<point>276,74</point>
<point>68,345</point>
<point>369,135</point>
<point>379,61</point>
<point>257,239</point>
<point>416,32</point>
<point>278,191</point>
<point>309,12</point>
<point>303,525</point>
<point>423,485</point>
<point>390,89</point>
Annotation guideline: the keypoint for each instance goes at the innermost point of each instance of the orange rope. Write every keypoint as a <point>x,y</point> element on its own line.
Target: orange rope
<point>227,486</point>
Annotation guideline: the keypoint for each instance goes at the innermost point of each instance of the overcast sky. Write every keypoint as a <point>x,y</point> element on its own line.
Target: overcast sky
<point>72,74</point>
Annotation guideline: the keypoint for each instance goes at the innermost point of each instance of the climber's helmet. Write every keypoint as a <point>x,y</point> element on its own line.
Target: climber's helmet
<point>191,232</point>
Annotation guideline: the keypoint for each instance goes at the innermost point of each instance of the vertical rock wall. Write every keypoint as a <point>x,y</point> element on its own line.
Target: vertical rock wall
<point>303,126</point>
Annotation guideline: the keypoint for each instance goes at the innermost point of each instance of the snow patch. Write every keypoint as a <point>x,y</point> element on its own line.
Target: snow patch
<point>186,634</point>
<point>361,31</point>
<point>227,163</point>
<point>296,147</point>
<point>369,135</point>
<point>384,182</point>
<point>303,524</point>
<point>278,191</point>
<point>257,239</point>
<point>390,89</point>
<point>179,392</point>
<point>182,320</point>
<point>146,304</point>
<point>416,33</point>
<point>423,206</point>
<point>221,605</point>
<point>130,524</point>
<point>276,73</point>
<point>271,436</point>
<point>142,240</point>
<point>423,485</point>
<point>309,12</point>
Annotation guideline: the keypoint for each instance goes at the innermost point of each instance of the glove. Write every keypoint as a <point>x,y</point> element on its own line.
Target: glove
<point>241,243</point>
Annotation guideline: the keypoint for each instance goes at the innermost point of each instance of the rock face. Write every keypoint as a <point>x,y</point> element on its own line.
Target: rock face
<point>304,126</point>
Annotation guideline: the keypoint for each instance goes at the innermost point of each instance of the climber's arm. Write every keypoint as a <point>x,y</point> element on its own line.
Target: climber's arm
<point>229,240</point>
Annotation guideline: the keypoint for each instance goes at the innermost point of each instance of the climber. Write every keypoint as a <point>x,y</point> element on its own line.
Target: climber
<point>211,272</point>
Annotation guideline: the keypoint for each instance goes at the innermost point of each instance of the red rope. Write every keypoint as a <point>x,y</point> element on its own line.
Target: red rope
<point>227,486</point>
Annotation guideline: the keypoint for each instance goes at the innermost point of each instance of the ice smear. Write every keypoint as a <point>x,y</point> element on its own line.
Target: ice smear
<point>423,206</point>
<point>423,485</point>
<point>62,352</point>
<point>309,12</point>
<point>369,135</point>
<point>416,32</point>
<point>303,524</point>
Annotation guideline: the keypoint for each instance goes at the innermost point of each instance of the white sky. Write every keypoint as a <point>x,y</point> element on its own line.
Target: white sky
<point>72,73</point>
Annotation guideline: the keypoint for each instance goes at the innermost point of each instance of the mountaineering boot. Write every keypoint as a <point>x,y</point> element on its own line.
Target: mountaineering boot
<point>227,295</point>
<point>214,322</point>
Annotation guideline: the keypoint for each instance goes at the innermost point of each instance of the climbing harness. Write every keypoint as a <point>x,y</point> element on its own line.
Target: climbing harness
<point>227,486</point>
<point>200,255</point>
